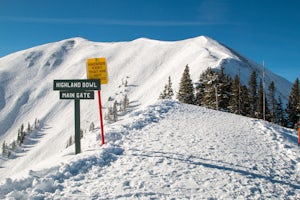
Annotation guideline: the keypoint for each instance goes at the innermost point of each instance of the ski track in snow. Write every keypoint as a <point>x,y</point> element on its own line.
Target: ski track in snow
<point>174,151</point>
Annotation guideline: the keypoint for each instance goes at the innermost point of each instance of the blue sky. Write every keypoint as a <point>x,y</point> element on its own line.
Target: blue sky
<point>266,30</point>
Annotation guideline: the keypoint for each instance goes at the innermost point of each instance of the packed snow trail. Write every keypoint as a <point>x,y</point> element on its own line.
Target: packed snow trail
<point>199,153</point>
<point>175,151</point>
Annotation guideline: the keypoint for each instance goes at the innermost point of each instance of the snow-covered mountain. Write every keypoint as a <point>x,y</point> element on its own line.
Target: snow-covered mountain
<point>26,77</point>
<point>26,88</point>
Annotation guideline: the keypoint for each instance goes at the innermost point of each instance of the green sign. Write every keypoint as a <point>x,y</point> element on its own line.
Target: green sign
<point>77,85</point>
<point>76,95</point>
<point>77,89</point>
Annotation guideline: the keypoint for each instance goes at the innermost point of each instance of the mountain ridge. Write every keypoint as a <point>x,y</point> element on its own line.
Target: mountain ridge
<point>26,76</point>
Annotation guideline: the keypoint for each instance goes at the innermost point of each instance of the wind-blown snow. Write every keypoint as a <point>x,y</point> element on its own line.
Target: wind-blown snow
<point>156,150</point>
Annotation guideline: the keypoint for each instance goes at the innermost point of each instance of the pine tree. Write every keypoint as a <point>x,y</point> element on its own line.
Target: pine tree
<point>200,87</point>
<point>163,94</point>
<point>170,92</point>
<point>208,89</point>
<point>22,128</point>
<point>272,102</point>
<point>109,114</point>
<point>235,99</point>
<point>223,86</point>
<point>19,138</point>
<point>186,88</point>
<point>36,123</point>
<point>262,111</point>
<point>253,94</point>
<point>115,111</point>
<point>280,117</point>
<point>4,149</point>
<point>28,128</point>
<point>14,145</point>
<point>293,105</point>
<point>125,102</point>
<point>245,101</point>
<point>199,94</point>
<point>167,93</point>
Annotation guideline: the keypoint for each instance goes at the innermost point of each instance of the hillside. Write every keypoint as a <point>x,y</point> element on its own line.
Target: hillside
<point>26,77</point>
<point>168,151</point>
<point>43,166</point>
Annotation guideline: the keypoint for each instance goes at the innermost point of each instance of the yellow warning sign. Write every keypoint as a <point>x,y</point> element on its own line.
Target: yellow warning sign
<point>96,69</point>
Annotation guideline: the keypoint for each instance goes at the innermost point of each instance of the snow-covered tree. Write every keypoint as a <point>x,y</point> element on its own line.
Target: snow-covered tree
<point>115,111</point>
<point>211,91</point>
<point>4,149</point>
<point>252,88</point>
<point>186,88</point>
<point>293,105</point>
<point>167,93</point>
<point>223,87</point>
<point>272,102</point>
<point>280,115</point>
<point>245,101</point>
<point>235,99</point>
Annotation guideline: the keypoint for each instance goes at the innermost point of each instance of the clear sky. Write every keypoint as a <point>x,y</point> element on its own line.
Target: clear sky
<point>266,30</point>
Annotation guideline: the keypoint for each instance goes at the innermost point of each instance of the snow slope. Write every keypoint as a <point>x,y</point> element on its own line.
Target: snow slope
<point>171,151</point>
<point>26,77</point>
<point>43,167</point>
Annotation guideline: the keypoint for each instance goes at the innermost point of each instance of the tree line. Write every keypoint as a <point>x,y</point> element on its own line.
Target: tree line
<point>218,91</point>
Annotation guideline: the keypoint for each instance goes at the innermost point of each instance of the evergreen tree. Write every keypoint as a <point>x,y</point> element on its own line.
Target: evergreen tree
<point>200,87</point>
<point>115,111</point>
<point>253,94</point>
<point>108,115</point>
<point>36,123</point>
<point>199,94</point>
<point>293,105</point>
<point>186,88</point>
<point>14,145</point>
<point>4,149</point>
<point>22,128</point>
<point>262,111</point>
<point>235,99</point>
<point>170,92</point>
<point>245,101</point>
<point>167,93</point>
<point>223,88</point>
<point>125,102</point>
<point>280,118</point>
<point>208,89</point>
<point>272,102</point>
<point>163,94</point>
<point>19,138</point>
<point>28,128</point>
